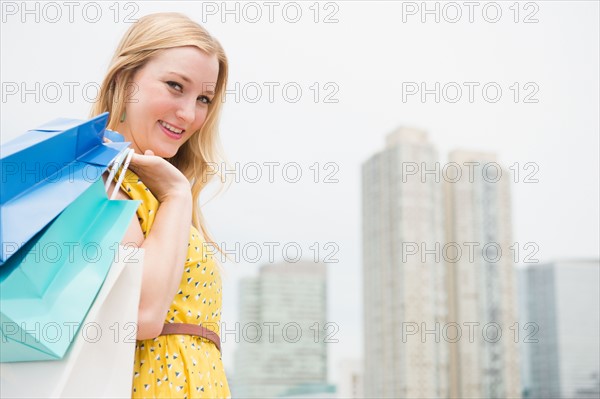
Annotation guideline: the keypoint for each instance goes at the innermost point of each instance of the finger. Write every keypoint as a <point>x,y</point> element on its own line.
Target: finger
<point>136,159</point>
<point>139,160</point>
<point>142,161</point>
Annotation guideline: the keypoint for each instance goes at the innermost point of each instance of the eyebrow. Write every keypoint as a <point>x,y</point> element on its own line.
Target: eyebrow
<point>187,80</point>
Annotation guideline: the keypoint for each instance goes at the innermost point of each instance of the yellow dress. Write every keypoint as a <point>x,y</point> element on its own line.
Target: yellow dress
<point>181,366</point>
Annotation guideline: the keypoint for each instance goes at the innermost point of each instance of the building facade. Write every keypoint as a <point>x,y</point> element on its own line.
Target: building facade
<point>282,330</point>
<point>561,309</point>
<point>403,295</point>
<point>481,280</point>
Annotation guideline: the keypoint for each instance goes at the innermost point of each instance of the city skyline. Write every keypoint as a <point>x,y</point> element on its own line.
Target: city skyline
<point>369,56</point>
<point>436,259</point>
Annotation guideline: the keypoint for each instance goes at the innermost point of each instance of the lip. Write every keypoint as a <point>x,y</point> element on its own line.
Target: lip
<point>169,133</point>
<point>172,124</point>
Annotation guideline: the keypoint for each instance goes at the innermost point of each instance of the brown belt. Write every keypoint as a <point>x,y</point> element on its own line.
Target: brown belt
<point>192,329</point>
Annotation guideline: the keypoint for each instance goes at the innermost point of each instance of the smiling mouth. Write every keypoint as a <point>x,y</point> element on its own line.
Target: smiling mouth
<point>171,128</point>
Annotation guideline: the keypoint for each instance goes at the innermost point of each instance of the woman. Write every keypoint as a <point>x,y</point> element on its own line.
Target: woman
<point>164,90</point>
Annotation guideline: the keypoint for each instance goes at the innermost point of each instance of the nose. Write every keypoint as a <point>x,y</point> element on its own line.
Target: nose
<point>187,111</point>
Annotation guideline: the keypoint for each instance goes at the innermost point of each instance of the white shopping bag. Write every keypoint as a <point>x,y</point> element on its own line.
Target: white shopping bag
<point>99,363</point>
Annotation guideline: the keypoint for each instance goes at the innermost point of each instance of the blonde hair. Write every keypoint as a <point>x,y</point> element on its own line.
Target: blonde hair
<point>144,39</point>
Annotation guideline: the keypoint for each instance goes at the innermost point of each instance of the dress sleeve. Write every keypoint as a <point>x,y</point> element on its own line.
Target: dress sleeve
<point>136,189</point>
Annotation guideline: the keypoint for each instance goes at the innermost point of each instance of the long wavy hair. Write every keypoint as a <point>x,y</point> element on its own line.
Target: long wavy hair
<point>145,39</point>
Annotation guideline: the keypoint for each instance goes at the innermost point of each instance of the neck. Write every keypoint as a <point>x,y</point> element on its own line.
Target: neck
<point>124,129</point>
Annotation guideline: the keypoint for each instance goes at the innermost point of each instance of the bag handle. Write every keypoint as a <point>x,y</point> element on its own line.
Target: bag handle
<point>122,160</point>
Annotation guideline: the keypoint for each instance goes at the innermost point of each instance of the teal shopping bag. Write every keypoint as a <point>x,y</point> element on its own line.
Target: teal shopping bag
<point>47,287</point>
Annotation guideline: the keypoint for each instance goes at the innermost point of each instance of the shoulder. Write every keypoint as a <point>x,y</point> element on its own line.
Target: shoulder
<point>134,234</point>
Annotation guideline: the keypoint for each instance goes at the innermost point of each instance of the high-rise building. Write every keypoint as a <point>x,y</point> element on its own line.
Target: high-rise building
<point>404,296</point>
<point>283,345</point>
<point>481,282</point>
<point>560,308</point>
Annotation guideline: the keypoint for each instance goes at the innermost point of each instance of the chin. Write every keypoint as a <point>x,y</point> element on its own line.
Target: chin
<point>166,154</point>
<point>165,151</point>
<point>160,152</point>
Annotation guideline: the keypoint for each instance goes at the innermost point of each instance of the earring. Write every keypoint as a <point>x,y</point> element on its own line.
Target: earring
<point>123,116</point>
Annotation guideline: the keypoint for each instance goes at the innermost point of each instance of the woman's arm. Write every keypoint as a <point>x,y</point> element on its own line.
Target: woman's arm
<point>165,252</point>
<point>165,246</point>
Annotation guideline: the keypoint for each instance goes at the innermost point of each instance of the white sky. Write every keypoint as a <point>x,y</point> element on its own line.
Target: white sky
<point>367,55</point>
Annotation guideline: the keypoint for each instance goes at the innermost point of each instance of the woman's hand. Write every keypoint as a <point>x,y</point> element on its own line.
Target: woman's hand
<point>163,179</point>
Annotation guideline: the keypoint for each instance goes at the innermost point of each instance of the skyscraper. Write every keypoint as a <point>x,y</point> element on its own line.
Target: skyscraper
<point>403,295</point>
<point>481,281</point>
<point>438,265</point>
<point>561,305</point>
<point>282,330</point>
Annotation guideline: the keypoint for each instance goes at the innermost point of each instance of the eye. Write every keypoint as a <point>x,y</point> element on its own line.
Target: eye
<point>175,85</point>
<point>204,100</point>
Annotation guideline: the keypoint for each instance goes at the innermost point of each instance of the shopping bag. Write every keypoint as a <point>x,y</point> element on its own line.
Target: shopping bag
<point>48,286</point>
<point>46,169</point>
<point>99,363</point>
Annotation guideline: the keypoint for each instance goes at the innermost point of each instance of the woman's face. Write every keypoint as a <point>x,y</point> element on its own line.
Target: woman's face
<point>168,100</point>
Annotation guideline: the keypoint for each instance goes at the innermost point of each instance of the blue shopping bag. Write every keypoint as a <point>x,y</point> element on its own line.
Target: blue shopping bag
<point>46,169</point>
<point>47,287</point>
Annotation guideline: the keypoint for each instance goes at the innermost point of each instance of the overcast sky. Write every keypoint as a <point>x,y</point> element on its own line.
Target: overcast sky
<point>361,68</point>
